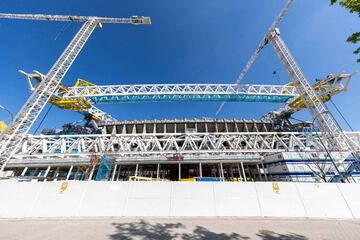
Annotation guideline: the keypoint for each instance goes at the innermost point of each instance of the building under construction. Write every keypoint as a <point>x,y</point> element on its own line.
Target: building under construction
<point>104,149</point>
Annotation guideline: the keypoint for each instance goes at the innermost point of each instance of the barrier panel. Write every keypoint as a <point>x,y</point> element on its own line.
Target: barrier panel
<point>238,199</point>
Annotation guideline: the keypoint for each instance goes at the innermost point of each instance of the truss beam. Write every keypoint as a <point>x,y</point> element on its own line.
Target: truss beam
<point>180,92</point>
<point>44,17</point>
<point>156,145</point>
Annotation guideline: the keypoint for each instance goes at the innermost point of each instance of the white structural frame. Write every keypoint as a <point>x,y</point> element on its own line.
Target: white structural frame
<point>178,89</point>
<point>27,115</point>
<point>140,145</point>
<point>338,143</point>
<point>261,45</point>
<point>39,77</point>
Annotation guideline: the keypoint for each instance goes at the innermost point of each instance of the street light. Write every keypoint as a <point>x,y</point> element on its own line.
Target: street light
<point>5,109</point>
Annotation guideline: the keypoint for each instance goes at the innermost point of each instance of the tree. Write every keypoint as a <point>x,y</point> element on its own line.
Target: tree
<point>354,7</point>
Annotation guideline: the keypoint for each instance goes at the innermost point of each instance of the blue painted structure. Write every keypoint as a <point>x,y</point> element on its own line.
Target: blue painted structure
<point>190,97</point>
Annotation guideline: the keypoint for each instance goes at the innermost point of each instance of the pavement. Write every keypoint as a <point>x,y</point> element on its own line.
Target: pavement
<point>179,228</point>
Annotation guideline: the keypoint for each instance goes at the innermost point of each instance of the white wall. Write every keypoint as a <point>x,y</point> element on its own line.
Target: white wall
<point>44,199</point>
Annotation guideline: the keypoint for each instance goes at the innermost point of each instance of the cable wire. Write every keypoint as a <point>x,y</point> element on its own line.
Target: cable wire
<point>42,120</point>
<point>338,110</point>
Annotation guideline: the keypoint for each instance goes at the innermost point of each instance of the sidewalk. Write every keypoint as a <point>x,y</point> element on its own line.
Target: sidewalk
<point>179,228</point>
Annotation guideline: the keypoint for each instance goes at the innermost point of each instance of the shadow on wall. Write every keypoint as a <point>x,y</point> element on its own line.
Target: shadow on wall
<point>150,231</point>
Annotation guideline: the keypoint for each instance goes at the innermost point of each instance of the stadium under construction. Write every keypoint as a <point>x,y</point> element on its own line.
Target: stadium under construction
<point>104,149</point>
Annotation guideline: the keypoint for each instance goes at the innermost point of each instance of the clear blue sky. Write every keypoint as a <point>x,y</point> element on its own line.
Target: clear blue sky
<point>203,41</point>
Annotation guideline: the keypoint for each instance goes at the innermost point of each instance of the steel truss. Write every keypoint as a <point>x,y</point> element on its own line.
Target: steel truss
<point>140,146</point>
<point>178,92</point>
<point>12,139</point>
<point>337,141</point>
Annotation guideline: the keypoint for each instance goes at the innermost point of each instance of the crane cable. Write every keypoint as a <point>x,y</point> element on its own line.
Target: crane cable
<point>342,116</point>
<point>42,120</point>
<point>62,30</point>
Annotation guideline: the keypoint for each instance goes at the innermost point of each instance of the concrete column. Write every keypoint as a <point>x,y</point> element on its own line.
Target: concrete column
<point>69,173</point>
<point>243,171</point>
<point>238,166</point>
<point>24,171</point>
<point>47,171</point>
<point>222,172</point>
<point>179,171</point>
<point>257,166</point>
<point>158,171</point>
<point>56,172</point>
<point>36,172</point>
<point>114,172</point>
<point>200,169</point>
<point>118,175</point>
<point>136,169</point>
<point>92,172</point>
<point>265,174</point>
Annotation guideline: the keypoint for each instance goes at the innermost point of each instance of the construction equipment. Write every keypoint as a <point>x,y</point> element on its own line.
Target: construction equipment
<point>179,92</point>
<point>261,45</point>
<point>11,140</point>
<point>324,88</point>
<point>3,126</point>
<point>81,105</point>
<point>338,144</point>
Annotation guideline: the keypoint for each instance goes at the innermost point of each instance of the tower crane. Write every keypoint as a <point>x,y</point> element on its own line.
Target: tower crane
<point>264,41</point>
<point>25,118</point>
<point>338,144</point>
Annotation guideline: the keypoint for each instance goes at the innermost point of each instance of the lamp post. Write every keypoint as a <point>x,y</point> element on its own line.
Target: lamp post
<point>5,109</point>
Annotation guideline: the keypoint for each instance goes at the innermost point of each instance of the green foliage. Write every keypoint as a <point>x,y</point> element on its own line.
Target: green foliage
<point>354,7</point>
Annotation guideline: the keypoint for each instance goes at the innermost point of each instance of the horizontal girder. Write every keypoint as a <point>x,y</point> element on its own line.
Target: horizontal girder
<point>157,145</point>
<point>46,17</point>
<point>181,92</point>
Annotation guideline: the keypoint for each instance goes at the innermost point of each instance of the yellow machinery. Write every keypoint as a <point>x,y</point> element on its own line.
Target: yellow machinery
<point>79,104</point>
<point>325,89</point>
<point>146,179</point>
<point>3,126</point>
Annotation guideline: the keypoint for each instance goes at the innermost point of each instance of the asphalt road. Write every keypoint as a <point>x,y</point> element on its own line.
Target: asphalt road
<point>179,228</point>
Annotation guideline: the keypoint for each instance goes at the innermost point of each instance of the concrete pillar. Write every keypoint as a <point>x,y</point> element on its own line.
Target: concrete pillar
<point>222,172</point>
<point>56,173</point>
<point>158,171</point>
<point>200,169</point>
<point>257,166</point>
<point>118,175</point>
<point>47,171</point>
<point>238,166</point>
<point>92,172</point>
<point>36,172</point>
<point>69,173</point>
<point>265,174</point>
<point>24,171</point>
<point>136,169</point>
<point>243,171</point>
<point>114,172</point>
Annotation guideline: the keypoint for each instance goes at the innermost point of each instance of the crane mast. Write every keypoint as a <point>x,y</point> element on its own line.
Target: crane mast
<point>261,45</point>
<point>338,143</point>
<point>25,118</point>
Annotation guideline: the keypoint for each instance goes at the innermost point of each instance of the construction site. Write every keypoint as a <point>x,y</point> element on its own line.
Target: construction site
<point>276,148</point>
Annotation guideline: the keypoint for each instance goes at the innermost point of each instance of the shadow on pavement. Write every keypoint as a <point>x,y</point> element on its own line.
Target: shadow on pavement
<point>269,235</point>
<point>155,231</point>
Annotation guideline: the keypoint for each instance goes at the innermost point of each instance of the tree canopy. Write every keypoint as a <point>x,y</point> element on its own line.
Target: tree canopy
<point>354,7</point>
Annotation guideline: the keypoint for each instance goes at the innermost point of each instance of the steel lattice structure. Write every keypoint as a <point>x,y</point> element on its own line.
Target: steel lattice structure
<point>41,95</point>
<point>181,92</point>
<point>142,145</point>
